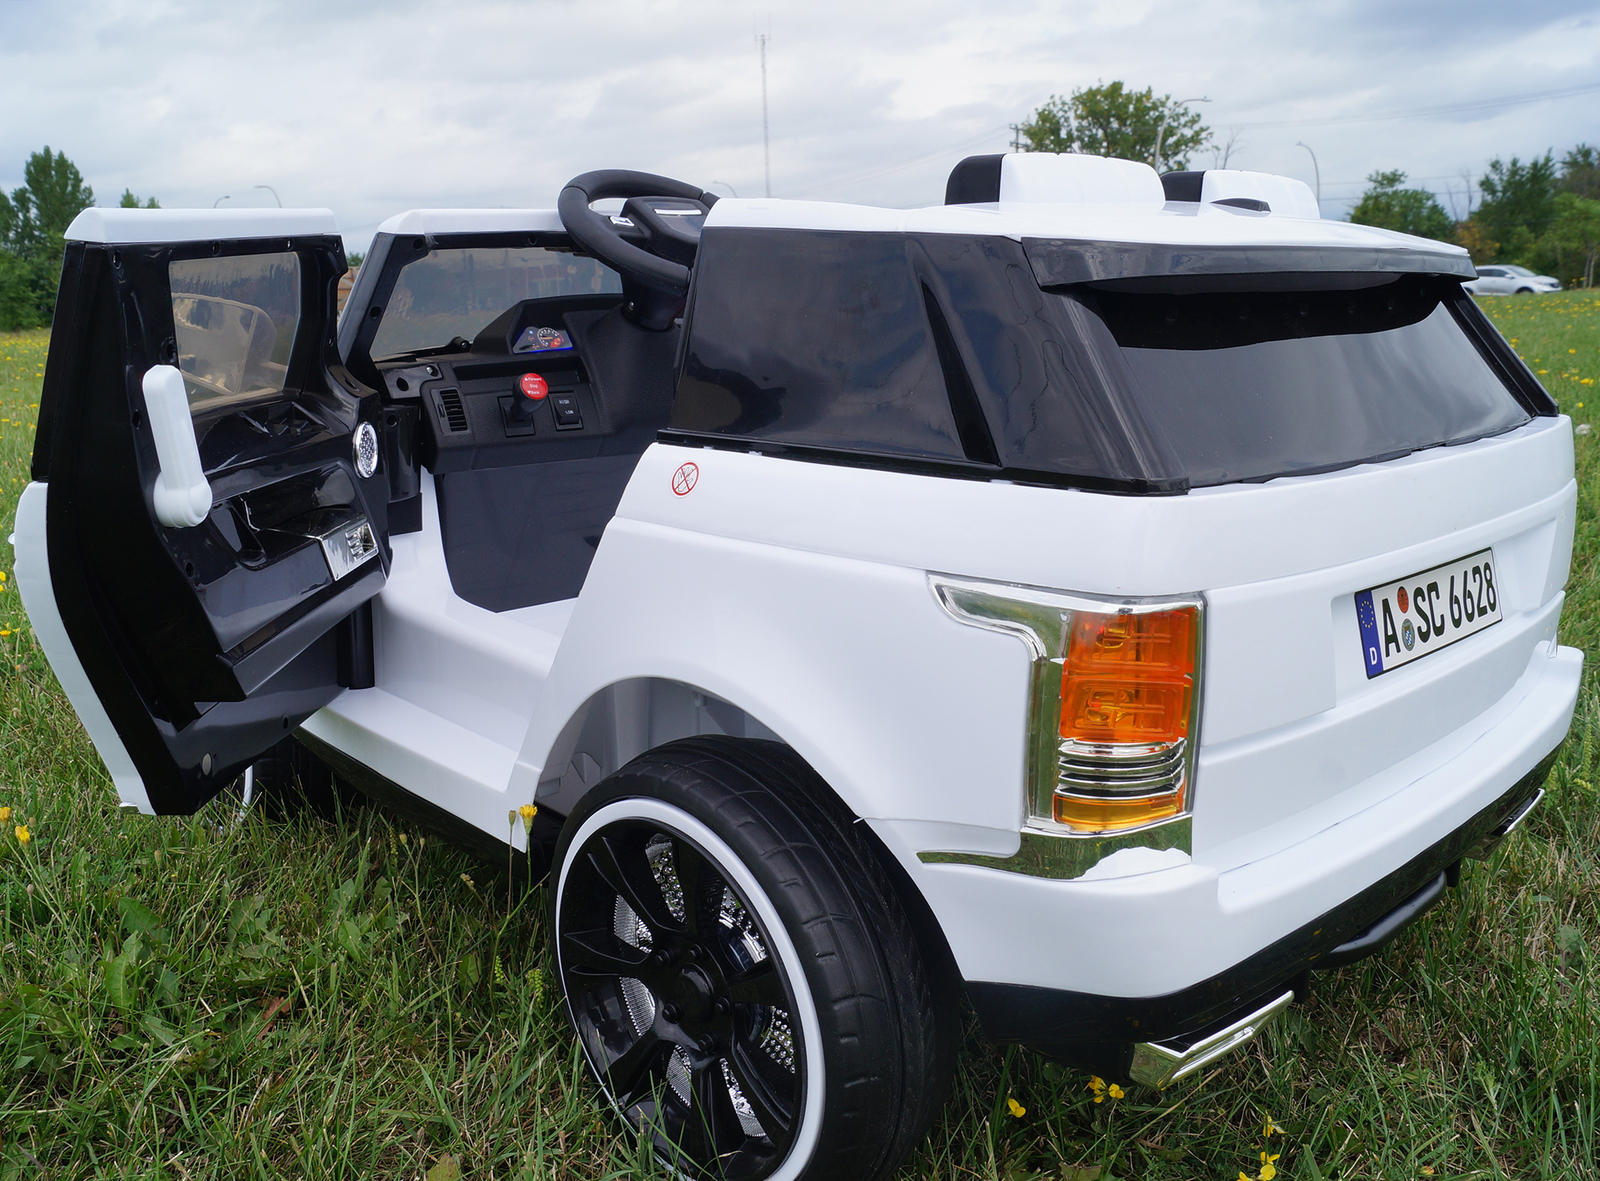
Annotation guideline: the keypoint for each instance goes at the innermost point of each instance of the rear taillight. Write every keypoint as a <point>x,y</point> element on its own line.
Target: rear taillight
<point>1127,704</point>
<point>1114,703</point>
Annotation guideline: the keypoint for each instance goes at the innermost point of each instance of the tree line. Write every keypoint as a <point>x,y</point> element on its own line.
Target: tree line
<point>1542,213</point>
<point>33,224</point>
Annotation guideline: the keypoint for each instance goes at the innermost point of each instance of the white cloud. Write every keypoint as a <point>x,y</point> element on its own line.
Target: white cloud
<point>372,108</point>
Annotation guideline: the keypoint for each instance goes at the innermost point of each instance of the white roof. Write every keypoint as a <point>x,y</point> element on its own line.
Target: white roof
<point>473,221</point>
<point>1149,222</point>
<point>128,226</point>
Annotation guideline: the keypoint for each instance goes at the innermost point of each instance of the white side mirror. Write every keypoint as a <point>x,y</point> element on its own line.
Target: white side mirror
<point>182,493</point>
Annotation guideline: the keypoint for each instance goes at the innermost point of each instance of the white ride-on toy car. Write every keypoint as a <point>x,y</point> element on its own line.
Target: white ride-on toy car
<point>1108,597</point>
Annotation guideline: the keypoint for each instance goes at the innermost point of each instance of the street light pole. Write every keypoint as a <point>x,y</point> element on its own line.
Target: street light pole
<point>274,193</point>
<point>766,146</point>
<point>1316,171</point>
<point>1161,132</point>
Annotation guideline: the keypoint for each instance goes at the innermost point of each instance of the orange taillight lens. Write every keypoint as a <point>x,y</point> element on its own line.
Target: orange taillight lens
<point>1127,696</point>
<point>1129,678</point>
<point>1108,815</point>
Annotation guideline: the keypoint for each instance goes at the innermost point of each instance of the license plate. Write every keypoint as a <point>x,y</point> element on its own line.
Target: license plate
<point>1406,620</point>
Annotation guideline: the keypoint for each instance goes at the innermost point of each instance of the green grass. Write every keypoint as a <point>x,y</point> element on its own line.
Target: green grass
<point>203,998</point>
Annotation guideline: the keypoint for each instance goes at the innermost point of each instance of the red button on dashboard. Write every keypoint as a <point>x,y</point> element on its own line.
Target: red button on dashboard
<point>534,386</point>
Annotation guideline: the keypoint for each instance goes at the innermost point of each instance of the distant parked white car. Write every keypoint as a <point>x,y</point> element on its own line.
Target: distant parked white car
<point>1510,280</point>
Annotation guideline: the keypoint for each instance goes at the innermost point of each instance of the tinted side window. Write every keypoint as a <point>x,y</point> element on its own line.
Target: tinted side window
<point>235,321</point>
<point>814,339</point>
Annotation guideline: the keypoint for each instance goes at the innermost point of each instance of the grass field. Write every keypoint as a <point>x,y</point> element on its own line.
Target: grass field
<point>203,998</point>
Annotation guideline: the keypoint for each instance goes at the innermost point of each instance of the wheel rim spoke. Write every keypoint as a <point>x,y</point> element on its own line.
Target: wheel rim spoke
<point>692,873</point>
<point>629,1076</point>
<point>773,1112</point>
<point>759,985</point>
<point>601,953</point>
<point>634,884</point>
<point>711,1126</point>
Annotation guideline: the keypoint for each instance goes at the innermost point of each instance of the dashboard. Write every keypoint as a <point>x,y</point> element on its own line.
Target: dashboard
<point>523,391</point>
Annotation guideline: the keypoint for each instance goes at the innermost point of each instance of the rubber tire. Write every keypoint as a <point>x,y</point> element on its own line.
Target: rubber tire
<point>887,1058</point>
<point>289,781</point>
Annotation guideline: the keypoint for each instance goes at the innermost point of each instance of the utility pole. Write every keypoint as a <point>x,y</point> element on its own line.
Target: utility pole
<point>1016,137</point>
<point>1316,170</point>
<point>1166,117</point>
<point>766,143</point>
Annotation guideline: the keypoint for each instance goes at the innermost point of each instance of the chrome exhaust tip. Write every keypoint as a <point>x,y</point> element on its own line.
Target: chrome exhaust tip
<point>1160,1064</point>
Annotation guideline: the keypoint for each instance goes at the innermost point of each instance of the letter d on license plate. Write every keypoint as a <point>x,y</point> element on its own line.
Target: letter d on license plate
<point>1406,620</point>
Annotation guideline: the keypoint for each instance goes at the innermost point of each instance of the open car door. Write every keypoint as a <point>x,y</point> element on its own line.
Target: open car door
<point>206,520</point>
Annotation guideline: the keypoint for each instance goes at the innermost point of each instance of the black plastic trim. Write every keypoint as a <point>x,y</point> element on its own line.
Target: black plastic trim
<point>974,181</point>
<point>1058,262</point>
<point>1512,370</point>
<point>1183,186</point>
<point>1387,929</point>
<point>1096,1031</point>
<point>921,466</point>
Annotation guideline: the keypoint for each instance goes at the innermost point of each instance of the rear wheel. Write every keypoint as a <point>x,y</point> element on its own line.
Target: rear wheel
<point>743,981</point>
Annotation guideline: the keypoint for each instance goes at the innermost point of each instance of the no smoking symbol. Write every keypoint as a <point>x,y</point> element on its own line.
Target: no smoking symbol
<point>685,478</point>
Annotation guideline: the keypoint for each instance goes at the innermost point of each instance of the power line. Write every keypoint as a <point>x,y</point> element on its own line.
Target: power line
<point>1445,109</point>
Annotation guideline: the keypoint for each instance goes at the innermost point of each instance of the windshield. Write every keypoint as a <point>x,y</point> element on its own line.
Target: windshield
<point>1520,271</point>
<point>458,292</point>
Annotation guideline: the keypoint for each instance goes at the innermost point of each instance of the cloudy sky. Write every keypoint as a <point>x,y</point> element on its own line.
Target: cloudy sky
<point>371,108</point>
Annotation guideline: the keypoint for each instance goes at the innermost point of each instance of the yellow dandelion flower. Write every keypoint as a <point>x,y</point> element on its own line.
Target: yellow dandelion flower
<point>1541,372</point>
<point>23,835</point>
<point>1096,1083</point>
<point>528,812</point>
<point>1115,1091</point>
<point>1015,1108</point>
<point>1268,1172</point>
<point>5,815</point>
<point>1269,1128</point>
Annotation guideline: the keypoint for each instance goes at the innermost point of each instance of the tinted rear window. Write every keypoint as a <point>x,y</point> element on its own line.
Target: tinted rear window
<point>944,350</point>
<point>1250,385</point>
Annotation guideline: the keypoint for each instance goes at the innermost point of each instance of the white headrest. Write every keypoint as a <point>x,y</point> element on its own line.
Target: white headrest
<point>1286,196</point>
<point>1047,178</point>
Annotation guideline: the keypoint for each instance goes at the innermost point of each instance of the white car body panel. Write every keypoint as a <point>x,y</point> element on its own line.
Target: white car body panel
<point>32,566</point>
<point>859,678</point>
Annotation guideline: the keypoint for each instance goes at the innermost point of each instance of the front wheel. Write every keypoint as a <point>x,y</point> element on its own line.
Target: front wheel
<point>742,979</point>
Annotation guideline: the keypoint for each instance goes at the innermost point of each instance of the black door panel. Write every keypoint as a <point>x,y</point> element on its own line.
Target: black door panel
<point>206,644</point>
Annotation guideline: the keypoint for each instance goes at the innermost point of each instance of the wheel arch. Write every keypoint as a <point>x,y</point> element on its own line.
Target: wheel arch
<point>630,717</point>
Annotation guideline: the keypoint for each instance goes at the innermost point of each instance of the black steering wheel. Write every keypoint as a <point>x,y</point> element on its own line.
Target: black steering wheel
<point>652,252</point>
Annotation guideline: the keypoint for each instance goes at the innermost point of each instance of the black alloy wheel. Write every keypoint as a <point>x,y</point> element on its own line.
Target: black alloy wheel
<point>673,985</point>
<point>743,983</point>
